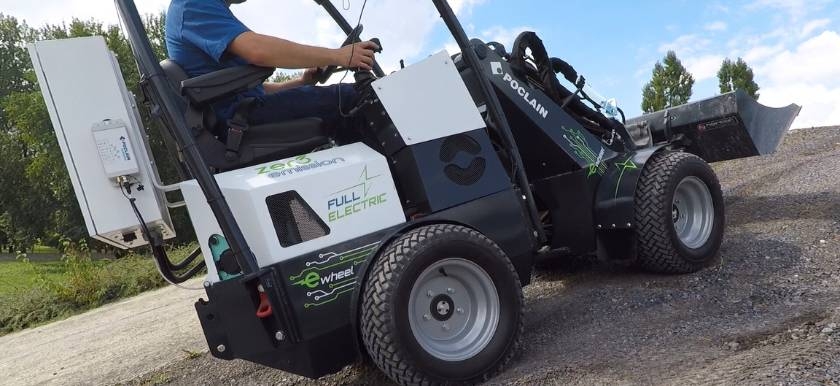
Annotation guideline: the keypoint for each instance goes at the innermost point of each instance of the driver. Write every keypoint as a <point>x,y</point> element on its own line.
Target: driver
<point>204,36</point>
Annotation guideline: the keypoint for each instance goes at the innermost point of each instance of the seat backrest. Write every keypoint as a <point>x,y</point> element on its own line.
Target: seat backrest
<point>174,73</point>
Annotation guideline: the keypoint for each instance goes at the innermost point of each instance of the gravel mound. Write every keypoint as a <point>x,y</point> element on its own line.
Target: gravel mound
<point>767,313</point>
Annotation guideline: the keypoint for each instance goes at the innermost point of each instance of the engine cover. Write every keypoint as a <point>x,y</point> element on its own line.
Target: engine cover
<point>299,205</point>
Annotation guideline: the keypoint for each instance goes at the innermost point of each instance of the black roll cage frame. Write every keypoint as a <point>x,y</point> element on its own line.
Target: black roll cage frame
<point>154,83</point>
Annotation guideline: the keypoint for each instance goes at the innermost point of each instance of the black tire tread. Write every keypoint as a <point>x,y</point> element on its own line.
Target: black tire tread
<point>375,313</point>
<point>656,252</point>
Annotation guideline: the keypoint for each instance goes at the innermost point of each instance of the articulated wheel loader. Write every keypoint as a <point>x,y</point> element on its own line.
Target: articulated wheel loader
<point>409,240</point>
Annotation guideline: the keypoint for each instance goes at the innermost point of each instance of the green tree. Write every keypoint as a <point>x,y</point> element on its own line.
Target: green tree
<point>669,86</point>
<point>280,77</point>
<point>737,76</point>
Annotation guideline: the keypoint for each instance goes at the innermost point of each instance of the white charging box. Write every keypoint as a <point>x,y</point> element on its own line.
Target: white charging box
<point>101,137</point>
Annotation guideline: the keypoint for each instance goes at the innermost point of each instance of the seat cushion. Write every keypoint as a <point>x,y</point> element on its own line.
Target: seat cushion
<point>299,130</point>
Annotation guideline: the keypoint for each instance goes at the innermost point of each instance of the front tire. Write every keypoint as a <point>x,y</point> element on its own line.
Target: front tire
<point>679,214</point>
<point>442,305</point>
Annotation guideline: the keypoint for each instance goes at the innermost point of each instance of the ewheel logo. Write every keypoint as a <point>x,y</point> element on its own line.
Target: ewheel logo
<point>314,279</point>
<point>331,275</point>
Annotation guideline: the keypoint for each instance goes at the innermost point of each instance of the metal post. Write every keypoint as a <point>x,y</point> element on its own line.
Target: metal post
<point>494,107</point>
<point>151,71</point>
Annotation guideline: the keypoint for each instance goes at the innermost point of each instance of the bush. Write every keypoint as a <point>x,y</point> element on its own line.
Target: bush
<point>87,284</point>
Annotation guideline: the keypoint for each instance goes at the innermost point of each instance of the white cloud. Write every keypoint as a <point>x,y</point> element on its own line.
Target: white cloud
<point>806,75</point>
<point>760,53</point>
<point>505,35</point>
<point>404,37</point>
<point>38,13</point>
<point>813,61</point>
<point>794,61</point>
<point>703,67</point>
<point>716,26</point>
<point>814,25</point>
<point>459,6</point>
<point>796,9</point>
<point>686,45</point>
<point>692,51</point>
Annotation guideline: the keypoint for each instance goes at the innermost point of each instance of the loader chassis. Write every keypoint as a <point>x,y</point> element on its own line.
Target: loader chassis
<point>572,170</point>
<point>454,179</point>
<point>409,238</point>
<point>319,333</point>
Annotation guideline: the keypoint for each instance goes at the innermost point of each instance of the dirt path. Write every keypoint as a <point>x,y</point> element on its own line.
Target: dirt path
<point>767,313</point>
<point>114,343</point>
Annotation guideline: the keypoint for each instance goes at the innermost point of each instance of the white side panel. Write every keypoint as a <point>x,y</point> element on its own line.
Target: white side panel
<point>349,188</point>
<point>83,90</point>
<point>204,223</point>
<point>428,100</point>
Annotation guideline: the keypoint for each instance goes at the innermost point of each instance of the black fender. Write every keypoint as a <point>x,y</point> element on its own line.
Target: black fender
<point>614,198</point>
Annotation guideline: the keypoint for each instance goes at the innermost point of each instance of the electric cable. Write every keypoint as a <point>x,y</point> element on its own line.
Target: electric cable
<point>352,53</point>
<point>125,190</point>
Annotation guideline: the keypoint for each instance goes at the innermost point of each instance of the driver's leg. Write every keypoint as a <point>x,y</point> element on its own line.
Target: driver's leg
<point>306,102</point>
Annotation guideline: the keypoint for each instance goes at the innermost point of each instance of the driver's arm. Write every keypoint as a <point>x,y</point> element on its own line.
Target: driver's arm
<point>270,51</point>
<point>307,78</point>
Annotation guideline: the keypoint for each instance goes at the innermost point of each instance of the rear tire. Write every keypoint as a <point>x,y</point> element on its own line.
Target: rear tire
<point>679,214</point>
<point>442,305</point>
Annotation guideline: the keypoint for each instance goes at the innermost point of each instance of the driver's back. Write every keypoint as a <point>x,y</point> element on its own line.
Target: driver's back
<point>198,33</point>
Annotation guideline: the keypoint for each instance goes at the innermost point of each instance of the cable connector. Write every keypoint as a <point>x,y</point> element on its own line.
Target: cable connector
<point>124,183</point>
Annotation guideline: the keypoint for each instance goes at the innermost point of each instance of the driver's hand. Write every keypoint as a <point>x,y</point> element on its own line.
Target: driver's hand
<point>358,55</point>
<point>309,76</point>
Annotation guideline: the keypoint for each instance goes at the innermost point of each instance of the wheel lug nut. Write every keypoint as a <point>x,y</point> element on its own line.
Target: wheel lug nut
<point>427,317</point>
<point>450,291</point>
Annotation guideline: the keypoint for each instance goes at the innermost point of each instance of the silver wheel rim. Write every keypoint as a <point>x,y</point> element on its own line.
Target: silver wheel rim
<point>693,212</point>
<point>453,309</point>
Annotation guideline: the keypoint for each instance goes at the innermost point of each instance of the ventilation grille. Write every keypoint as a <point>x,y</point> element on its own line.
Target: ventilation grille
<point>450,151</point>
<point>294,220</point>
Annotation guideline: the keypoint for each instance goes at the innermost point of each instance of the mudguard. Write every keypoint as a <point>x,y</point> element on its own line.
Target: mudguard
<point>614,206</point>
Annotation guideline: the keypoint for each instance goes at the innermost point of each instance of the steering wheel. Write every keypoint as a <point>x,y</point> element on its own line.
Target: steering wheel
<point>324,73</point>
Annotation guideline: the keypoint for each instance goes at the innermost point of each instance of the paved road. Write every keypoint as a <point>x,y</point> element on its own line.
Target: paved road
<point>114,343</point>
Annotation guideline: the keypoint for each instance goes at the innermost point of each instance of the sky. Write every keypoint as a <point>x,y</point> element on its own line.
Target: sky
<point>792,45</point>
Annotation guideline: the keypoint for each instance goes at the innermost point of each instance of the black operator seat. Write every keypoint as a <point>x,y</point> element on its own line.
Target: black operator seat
<point>259,143</point>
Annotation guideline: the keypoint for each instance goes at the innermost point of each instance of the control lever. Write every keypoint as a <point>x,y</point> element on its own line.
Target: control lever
<point>365,78</point>
<point>376,40</point>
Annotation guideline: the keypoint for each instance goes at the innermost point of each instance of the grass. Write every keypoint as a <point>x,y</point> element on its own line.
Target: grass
<point>44,249</point>
<point>192,354</point>
<point>19,275</point>
<point>33,293</point>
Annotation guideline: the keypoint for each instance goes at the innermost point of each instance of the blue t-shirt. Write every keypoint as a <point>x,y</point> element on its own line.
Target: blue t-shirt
<point>198,33</point>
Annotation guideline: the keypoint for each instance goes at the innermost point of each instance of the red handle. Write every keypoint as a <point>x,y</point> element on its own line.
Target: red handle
<point>264,310</point>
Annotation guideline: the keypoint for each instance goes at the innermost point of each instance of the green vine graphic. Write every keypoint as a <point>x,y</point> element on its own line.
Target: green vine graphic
<point>581,148</point>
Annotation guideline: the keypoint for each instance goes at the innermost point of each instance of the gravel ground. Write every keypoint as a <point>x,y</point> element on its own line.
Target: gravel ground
<point>768,312</point>
<point>112,343</point>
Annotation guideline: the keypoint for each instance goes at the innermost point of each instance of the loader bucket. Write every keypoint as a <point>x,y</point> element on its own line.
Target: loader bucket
<point>725,127</point>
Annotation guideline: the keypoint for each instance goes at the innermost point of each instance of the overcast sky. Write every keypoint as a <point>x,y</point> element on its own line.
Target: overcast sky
<point>793,45</point>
